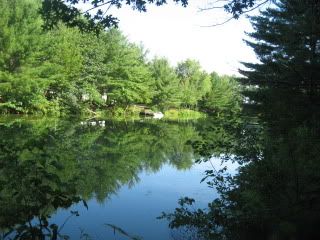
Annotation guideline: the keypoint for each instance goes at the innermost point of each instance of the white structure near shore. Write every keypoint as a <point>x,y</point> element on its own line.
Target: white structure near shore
<point>158,115</point>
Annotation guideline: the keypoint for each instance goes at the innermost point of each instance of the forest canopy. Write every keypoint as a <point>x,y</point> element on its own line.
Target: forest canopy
<point>67,71</point>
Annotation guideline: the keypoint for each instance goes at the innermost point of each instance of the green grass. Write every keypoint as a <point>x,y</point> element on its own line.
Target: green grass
<point>183,114</point>
<point>120,113</point>
<point>131,113</point>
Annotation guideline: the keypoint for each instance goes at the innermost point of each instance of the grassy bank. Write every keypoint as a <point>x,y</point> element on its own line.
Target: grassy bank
<point>183,114</point>
<point>136,112</point>
<point>133,112</point>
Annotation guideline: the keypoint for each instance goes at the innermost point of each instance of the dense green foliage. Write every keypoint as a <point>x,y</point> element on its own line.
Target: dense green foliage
<point>223,96</point>
<point>194,83</point>
<point>286,39</point>
<point>64,70</point>
<point>167,92</point>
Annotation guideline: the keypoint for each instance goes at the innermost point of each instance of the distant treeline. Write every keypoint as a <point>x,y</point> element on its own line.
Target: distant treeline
<point>66,71</point>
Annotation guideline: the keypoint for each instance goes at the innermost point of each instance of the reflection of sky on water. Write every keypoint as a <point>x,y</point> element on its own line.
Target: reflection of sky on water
<point>232,167</point>
<point>135,209</point>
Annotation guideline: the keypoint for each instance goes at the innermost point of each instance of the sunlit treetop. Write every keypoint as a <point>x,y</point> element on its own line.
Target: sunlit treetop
<point>94,15</point>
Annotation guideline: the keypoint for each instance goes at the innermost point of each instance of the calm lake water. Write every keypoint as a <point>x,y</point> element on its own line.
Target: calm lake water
<point>126,173</point>
<point>99,179</point>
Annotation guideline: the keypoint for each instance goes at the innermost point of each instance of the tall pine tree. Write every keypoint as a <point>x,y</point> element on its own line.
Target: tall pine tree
<point>286,40</point>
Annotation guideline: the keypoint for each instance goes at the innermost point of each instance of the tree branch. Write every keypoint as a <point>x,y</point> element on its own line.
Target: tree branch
<point>234,17</point>
<point>98,6</point>
<point>219,24</point>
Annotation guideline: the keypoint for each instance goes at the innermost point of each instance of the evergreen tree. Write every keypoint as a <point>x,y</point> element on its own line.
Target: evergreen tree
<point>21,85</point>
<point>63,67</point>
<point>166,83</point>
<point>128,77</point>
<point>287,42</point>
<point>224,95</point>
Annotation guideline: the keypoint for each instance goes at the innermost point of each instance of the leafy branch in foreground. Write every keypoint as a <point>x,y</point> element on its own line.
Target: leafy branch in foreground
<point>95,14</point>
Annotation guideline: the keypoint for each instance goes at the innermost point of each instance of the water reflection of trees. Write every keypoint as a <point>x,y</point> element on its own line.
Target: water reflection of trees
<point>276,193</point>
<point>48,164</point>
